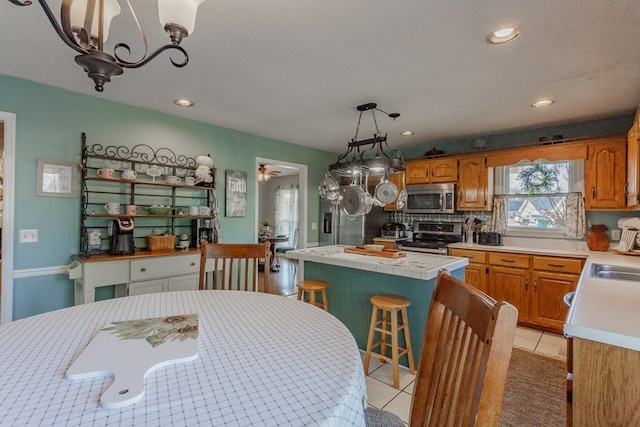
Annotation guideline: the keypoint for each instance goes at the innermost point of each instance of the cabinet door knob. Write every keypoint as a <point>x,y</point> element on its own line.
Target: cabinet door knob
<point>143,269</point>
<point>193,264</point>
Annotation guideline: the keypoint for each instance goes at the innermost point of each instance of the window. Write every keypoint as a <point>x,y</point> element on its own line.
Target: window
<point>286,211</point>
<point>536,195</point>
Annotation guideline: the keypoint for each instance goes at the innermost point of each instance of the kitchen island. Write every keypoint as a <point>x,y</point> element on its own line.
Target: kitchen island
<point>354,278</point>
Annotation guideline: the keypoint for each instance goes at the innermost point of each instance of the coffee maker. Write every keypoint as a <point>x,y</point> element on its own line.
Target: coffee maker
<point>201,229</point>
<point>120,232</point>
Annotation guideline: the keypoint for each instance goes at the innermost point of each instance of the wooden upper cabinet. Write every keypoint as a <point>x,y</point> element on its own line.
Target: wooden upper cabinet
<point>474,185</point>
<point>431,171</point>
<point>633,164</point>
<point>605,174</point>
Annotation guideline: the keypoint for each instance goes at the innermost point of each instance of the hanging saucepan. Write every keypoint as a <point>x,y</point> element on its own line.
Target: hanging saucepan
<point>329,188</point>
<point>353,201</point>
<point>368,198</point>
<point>386,192</point>
<point>402,196</point>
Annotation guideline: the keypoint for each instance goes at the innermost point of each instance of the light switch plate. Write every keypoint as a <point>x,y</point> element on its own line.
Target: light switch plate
<point>615,234</point>
<point>28,236</point>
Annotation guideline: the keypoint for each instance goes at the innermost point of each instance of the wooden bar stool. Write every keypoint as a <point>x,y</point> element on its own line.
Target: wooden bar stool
<point>312,287</point>
<point>387,307</point>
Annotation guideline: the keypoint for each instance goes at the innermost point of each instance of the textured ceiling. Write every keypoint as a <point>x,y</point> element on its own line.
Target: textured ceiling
<point>295,70</point>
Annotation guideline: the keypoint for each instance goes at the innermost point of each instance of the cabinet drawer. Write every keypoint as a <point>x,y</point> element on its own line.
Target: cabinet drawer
<point>147,287</point>
<point>509,260</point>
<point>562,265</point>
<point>475,257</point>
<point>98,274</point>
<point>177,265</point>
<point>184,283</point>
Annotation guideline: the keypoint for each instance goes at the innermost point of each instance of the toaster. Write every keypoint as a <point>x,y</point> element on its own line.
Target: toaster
<point>490,238</point>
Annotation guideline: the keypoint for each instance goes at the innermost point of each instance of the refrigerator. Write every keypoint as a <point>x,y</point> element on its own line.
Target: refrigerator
<point>338,229</point>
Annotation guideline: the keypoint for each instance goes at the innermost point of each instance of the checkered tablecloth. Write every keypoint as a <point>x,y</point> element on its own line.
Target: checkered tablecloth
<point>263,360</point>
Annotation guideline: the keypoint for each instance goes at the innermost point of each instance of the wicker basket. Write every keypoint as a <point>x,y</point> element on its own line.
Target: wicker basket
<point>161,243</point>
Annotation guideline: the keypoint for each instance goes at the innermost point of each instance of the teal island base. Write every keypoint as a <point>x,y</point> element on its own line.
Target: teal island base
<point>349,291</point>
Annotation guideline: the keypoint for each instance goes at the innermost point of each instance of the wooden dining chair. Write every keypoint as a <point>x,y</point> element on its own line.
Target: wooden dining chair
<point>464,359</point>
<point>235,266</point>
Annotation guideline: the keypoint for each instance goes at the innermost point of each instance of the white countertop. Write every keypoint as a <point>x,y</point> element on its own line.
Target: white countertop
<point>603,310</point>
<point>416,265</point>
<point>606,310</point>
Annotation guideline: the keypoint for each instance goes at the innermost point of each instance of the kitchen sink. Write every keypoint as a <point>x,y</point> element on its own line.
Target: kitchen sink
<point>617,272</point>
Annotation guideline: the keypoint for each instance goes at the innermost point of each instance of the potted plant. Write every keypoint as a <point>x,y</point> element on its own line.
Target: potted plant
<point>266,227</point>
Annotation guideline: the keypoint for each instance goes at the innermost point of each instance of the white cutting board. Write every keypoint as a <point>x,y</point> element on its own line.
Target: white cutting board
<point>128,351</point>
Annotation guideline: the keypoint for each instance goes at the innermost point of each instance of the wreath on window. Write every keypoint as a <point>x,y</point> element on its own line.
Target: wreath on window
<point>538,179</point>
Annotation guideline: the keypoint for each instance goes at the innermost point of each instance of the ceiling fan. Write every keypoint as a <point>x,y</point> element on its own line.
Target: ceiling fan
<point>264,174</point>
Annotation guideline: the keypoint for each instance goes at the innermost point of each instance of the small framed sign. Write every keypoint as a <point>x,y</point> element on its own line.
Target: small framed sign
<point>236,193</point>
<point>57,179</point>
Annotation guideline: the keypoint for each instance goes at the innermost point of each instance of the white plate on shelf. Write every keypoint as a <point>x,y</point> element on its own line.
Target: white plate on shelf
<point>153,172</point>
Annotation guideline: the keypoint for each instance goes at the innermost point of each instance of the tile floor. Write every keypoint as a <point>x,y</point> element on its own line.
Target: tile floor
<point>381,394</point>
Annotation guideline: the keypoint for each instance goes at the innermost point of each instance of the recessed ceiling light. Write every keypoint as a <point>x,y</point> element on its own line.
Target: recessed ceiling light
<point>408,133</point>
<point>503,35</point>
<point>543,103</point>
<point>183,103</point>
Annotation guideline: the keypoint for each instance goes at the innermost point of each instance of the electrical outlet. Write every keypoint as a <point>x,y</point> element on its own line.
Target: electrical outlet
<point>314,225</point>
<point>28,236</point>
<point>615,234</point>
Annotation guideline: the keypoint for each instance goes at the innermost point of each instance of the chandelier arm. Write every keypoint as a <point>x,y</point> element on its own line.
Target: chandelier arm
<point>69,42</point>
<point>146,60</point>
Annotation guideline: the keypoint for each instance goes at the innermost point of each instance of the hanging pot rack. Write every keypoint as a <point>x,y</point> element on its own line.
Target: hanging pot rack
<point>354,159</point>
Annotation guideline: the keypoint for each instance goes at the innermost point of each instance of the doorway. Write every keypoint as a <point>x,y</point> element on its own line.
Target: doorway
<point>290,174</point>
<point>8,122</point>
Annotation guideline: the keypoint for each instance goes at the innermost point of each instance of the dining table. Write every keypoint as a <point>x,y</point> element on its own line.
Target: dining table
<point>262,359</point>
<point>273,240</point>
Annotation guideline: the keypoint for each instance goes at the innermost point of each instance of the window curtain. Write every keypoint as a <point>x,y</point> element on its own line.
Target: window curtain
<point>575,219</point>
<point>285,206</point>
<point>498,221</point>
<point>575,223</point>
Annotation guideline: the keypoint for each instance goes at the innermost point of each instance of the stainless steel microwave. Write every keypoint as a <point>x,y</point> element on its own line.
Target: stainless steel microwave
<point>432,198</point>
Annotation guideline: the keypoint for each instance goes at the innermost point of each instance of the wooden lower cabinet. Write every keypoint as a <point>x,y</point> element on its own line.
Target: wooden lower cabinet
<point>534,284</point>
<point>606,390</point>
<point>549,286</point>
<point>511,285</point>
<point>475,273</point>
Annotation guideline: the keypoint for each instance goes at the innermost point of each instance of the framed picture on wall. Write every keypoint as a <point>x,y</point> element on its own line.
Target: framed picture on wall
<point>236,193</point>
<point>56,179</point>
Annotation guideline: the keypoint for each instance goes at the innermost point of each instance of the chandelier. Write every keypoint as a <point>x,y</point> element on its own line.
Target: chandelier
<point>84,26</point>
<point>368,155</point>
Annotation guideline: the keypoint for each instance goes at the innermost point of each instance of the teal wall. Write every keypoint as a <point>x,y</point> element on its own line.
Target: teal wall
<point>49,124</point>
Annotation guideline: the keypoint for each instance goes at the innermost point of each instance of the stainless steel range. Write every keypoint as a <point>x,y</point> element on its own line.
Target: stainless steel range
<point>433,237</point>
